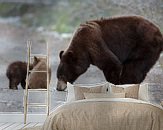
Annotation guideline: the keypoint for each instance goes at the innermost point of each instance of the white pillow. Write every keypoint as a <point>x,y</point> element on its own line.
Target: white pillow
<point>104,95</point>
<point>76,92</point>
<point>70,92</point>
<point>130,90</point>
<point>151,92</point>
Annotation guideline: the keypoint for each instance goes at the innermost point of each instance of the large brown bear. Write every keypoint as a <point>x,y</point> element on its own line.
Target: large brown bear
<point>16,73</point>
<point>124,48</point>
<point>38,80</point>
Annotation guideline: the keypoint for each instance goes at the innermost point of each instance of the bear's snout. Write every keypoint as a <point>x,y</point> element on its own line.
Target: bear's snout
<point>61,85</point>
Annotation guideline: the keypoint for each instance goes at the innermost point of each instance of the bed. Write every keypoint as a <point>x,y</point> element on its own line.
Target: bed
<point>105,113</point>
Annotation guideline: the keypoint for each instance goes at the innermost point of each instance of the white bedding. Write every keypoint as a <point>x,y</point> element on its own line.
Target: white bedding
<point>106,114</point>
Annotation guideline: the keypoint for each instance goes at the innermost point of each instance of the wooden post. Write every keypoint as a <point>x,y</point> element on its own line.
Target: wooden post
<point>27,81</point>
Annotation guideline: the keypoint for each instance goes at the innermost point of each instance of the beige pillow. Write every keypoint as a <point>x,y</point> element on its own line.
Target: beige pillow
<point>104,95</point>
<point>76,92</point>
<point>130,90</point>
<point>151,92</point>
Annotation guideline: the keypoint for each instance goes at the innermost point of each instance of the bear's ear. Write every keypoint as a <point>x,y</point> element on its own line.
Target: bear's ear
<point>35,59</point>
<point>71,57</point>
<point>60,54</point>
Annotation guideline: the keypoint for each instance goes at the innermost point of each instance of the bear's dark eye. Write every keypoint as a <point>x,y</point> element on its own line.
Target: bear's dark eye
<point>62,77</point>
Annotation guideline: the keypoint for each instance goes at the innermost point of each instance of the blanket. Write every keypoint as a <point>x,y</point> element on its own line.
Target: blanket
<point>106,114</point>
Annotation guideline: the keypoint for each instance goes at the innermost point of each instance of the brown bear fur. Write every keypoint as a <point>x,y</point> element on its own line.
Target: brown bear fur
<point>16,73</point>
<point>124,48</point>
<point>39,79</point>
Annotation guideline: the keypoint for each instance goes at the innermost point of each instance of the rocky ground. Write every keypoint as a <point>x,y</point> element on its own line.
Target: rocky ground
<point>13,47</point>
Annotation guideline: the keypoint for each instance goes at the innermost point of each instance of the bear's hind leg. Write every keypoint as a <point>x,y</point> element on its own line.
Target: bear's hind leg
<point>139,62</point>
<point>134,72</point>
